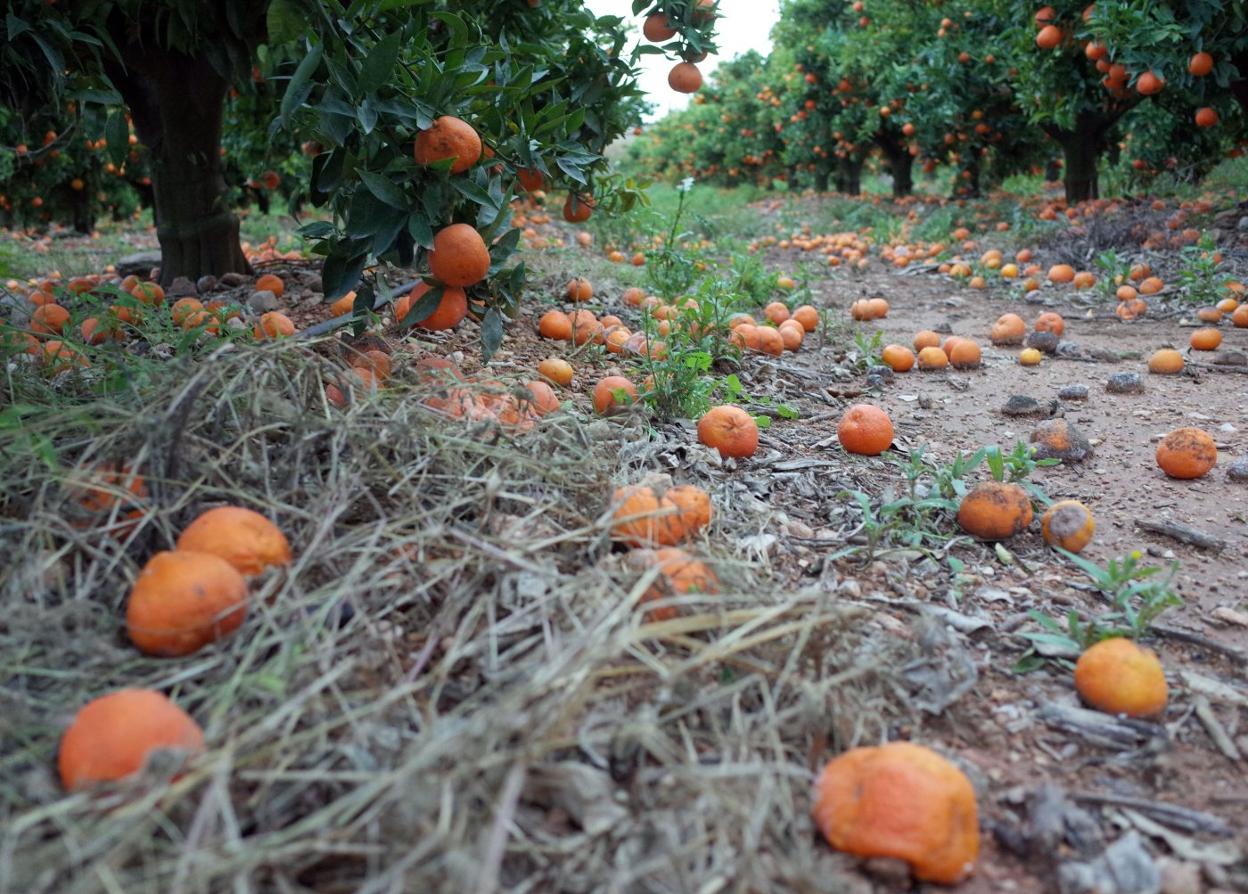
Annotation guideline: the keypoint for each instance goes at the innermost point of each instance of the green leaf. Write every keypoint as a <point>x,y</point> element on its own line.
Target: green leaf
<point>379,64</point>
<point>284,21</point>
<point>491,332</point>
<point>117,133</point>
<point>299,87</point>
<point>384,188</point>
<point>341,274</point>
<point>422,308</point>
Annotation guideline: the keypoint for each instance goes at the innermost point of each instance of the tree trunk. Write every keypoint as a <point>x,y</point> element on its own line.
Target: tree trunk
<point>176,103</point>
<point>1081,149</point>
<point>1239,88</point>
<point>900,165</point>
<point>821,180</point>
<point>849,177</point>
<point>966,184</point>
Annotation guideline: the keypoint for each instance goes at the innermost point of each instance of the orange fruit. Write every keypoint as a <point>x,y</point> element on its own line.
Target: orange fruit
<point>183,308</point>
<point>964,354</point>
<point>685,77</point>
<point>1200,65</point>
<point>679,573</point>
<point>642,518</point>
<point>184,600</point>
<point>694,504</point>
<point>633,296</point>
<point>994,510</point>
<point>104,486</point>
<point>614,393</point>
<point>1068,524</point>
<point>274,324</point>
<point>96,333</point>
<point>865,429</point>
<point>579,289</point>
<point>657,28</point>
<point>792,334</point>
<point>878,308</point>
<point>459,256</point>
<point>1186,453</point>
<point>1205,340</point>
<point>375,361</point>
<point>777,312</point>
<point>903,801</point>
<point>1149,83</point>
<point>1061,273</point>
<point>148,293</point>
<point>933,358</point>
<point>112,736</point>
<point>1009,329</point>
<point>1151,285</point>
<point>899,358</point>
<point>271,283</point>
<point>1118,676</point>
<point>240,536</point>
<point>1209,315</point>
<point>344,305</point>
<point>770,341</point>
<point>1166,362</point>
<point>1049,37</point>
<point>1050,322</point>
<point>1029,357</point>
<point>808,316</point>
<point>450,312</point>
<point>1240,317</point>
<point>555,324</point>
<point>556,370</point>
<point>926,338</point>
<point>49,319</point>
<point>730,430</point>
<point>449,137</point>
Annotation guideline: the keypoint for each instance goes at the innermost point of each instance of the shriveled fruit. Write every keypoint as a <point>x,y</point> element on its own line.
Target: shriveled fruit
<point>1205,340</point>
<point>994,510</point>
<point>898,358</point>
<point>614,393</point>
<point>679,574</point>
<point>933,358</point>
<point>459,256</point>
<point>1009,329</point>
<point>903,801</point>
<point>449,137</point>
<point>1186,453</point>
<point>1166,362</point>
<point>730,430</point>
<point>1118,676</point>
<point>240,536</point>
<point>556,370</point>
<point>184,600</point>
<point>112,736</point>
<point>865,429</point>
<point>1068,524</point>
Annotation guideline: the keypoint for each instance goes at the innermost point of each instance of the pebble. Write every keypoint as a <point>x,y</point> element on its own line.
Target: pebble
<point>263,300</point>
<point>1069,349</point>
<point>206,284</point>
<point>235,323</point>
<point>1073,392</point>
<point>314,283</point>
<point>1125,383</point>
<point>841,374</point>
<point>1049,435</point>
<point>233,280</point>
<point>181,287</point>
<point>1230,358</point>
<point>1178,877</point>
<point>1022,405</point>
<point>883,372</point>
<point>1238,470</point>
<point>1042,341</point>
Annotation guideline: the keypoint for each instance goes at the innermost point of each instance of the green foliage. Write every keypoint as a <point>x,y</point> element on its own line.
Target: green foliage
<point>1202,276</point>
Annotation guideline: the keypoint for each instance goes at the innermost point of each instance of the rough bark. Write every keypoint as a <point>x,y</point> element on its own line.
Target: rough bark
<point>900,165</point>
<point>1239,88</point>
<point>849,177</point>
<point>821,180</point>
<point>968,187</point>
<point>1081,150</point>
<point>176,103</point>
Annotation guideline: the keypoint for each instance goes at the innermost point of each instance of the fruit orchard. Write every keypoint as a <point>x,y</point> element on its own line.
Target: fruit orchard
<point>982,88</point>
<point>423,468</point>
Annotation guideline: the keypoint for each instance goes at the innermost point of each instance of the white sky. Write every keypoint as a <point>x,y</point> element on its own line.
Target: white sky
<point>743,25</point>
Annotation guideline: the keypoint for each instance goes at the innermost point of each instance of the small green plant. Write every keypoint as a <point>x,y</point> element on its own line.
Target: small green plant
<point>868,350</point>
<point>1016,467</point>
<point>673,268</point>
<point>1113,270</point>
<point>1137,593</point>
<point>1199,277</point>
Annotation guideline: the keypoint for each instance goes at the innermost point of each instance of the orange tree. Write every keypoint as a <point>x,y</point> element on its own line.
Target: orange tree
<point>543,86</point>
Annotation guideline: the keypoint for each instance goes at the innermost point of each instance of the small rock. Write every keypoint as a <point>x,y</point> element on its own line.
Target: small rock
<point>181,287</point>
<point>137,263</point>
<point>206,284</point>
<point>1243,224</point>
<point>314,283</point>
<point>263,301</point>
<point>1073,392</point>
<point>1125,383</point>
<point>1058,439</point>
<point>944,327</point>
<point>1238,470</point>
<point>841,374</point>
<point>1042,341</point>
<point>1069,349</point>
<point>233,280</point>
<point>1126,867</point>
<point>235,323</point>
<point>1179,878</point>
<point>1022,405</point>
<point>883,372</point>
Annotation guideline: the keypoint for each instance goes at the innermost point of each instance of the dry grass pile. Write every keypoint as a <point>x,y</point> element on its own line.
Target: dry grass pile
<point>449,690</point>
